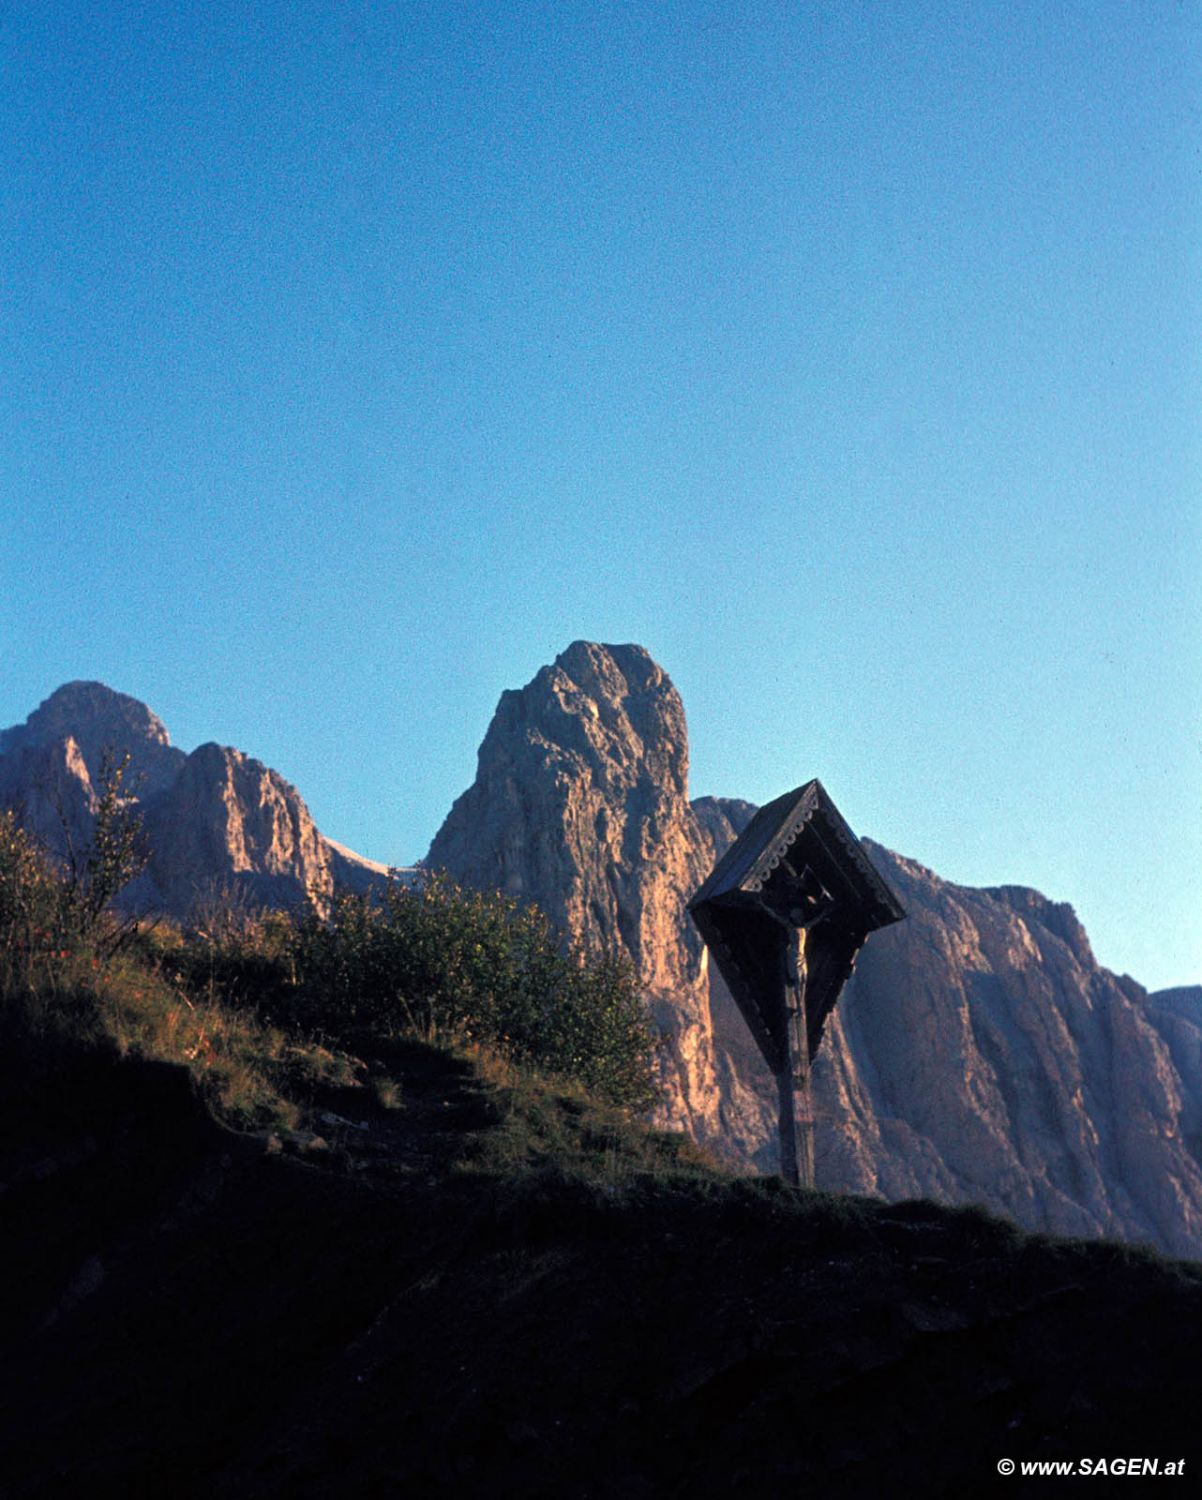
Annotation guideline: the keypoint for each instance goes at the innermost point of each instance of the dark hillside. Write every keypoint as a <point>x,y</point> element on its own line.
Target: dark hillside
<point>487,1287</point>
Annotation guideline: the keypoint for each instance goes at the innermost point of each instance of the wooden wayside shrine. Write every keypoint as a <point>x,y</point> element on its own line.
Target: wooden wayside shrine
<point>784,913</point>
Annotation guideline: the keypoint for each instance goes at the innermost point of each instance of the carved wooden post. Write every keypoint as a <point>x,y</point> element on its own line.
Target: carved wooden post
<point>793,1080</point>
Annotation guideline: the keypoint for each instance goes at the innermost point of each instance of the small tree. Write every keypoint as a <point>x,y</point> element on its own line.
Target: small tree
<point>120,851</point>
<point>117,854</point>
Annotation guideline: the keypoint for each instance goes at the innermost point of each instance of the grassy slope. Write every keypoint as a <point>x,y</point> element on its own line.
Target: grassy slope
<point>499,1287</point>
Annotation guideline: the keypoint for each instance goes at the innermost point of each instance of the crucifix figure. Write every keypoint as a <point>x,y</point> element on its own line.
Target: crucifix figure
<point>795,905</point>
<point>784,913</point>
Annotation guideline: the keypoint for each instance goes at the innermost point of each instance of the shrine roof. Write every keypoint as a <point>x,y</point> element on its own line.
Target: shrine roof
<point>806,813</point>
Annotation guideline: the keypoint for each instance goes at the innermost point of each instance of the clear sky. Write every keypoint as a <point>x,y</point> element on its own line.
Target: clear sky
<point>355,358</point>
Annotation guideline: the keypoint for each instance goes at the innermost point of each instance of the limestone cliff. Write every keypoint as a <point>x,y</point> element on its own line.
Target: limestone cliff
<point>49,786</point>
<point>243,826</point>
<point>979,1053</point>
<point>98,719</point>
<point>220,825</point>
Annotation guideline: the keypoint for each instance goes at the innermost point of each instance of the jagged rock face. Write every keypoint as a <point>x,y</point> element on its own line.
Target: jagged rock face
<point>241,823</point>
<point>51,764</point>
<point>1176,1016</point>
<point>979,1052</point>
<point>219,824</point>
<point>580,805</point>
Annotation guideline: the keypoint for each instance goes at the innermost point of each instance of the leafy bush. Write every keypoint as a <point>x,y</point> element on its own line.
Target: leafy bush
<point>435,961</point>
<point>440,960</point>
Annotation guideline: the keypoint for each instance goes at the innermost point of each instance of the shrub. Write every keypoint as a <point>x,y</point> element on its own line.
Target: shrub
<point>436,961</point>
<point>50,908</point>
<point>440,960</point>
<point>240,954</point>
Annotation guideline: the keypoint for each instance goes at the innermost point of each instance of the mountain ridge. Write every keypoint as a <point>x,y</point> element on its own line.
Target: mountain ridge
<point>220,824</point>
<point>980,1051</point>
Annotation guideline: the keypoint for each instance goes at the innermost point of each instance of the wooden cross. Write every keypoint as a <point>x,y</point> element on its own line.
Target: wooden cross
<point>784,913</point>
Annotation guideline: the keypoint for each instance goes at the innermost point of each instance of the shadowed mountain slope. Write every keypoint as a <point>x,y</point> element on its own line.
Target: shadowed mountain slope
<point>192,1313</point>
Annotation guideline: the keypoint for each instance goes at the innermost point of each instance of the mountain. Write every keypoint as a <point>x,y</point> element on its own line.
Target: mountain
<point>979,1052</point>
<point>220,825</point>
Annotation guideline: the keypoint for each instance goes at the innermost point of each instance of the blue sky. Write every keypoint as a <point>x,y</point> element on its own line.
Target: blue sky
<point>356,358</point>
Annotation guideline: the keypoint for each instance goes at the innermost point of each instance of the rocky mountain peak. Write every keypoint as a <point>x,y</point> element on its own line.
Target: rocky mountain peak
<point>238,820</point>
<point>217,821</point>
<point>582,775</point>
<point>101,721</point>
<point>611,707</point>
<point>580,805</point>
<point>88,710</point>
